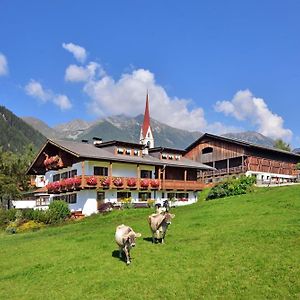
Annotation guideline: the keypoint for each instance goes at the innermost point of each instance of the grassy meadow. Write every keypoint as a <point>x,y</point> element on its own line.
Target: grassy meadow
<point>245,247</point>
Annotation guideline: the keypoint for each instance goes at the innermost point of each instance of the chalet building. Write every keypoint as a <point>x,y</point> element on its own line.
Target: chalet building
<point>87,174</point>
<point>234,157</point>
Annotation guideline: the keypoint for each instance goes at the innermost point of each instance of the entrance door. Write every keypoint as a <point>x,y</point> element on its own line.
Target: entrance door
<point>100,198</point>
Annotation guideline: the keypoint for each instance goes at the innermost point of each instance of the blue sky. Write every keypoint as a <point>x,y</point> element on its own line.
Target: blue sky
<point>212,66</point>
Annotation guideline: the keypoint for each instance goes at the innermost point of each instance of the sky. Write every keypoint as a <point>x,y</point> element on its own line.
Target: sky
<point>209,66</point>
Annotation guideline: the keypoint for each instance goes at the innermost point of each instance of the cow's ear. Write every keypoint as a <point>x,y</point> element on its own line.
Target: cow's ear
<point>138,235</point>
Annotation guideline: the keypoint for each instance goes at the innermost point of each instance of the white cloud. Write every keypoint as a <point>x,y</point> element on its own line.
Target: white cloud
<point>62,101</point>
<point>3,65</point>
<point>36,90</point>
<point>76,73</point>
<point>78,51</point>
<point>245,107</point>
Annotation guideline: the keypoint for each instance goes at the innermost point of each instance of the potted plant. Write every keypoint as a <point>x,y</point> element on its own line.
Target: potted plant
<point>154,183</point>
<point>131,182</point>
<point>105,182</point>
<point>144,183</point>
<point>92,180</point>
<point>118,182</point>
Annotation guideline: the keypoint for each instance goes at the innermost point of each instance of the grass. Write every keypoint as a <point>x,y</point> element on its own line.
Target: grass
<point>237,247</point>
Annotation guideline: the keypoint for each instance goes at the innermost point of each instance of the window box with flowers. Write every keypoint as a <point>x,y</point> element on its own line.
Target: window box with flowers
<point>145,183</point>
<point>118,182</point>
<point>154,183</point>
<point>53,187</point>
<point>131,182</point>
<point>92,180</point>
<point>63,184</point>
<point>105,182</point>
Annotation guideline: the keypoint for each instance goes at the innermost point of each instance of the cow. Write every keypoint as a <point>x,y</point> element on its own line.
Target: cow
<point>159,224</point>
<point>125,239</point>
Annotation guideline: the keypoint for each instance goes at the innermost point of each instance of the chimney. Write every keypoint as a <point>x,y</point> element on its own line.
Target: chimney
<point>97,141</point>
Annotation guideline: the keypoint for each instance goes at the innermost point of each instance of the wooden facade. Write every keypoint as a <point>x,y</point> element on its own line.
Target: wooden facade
<point>232,157</point>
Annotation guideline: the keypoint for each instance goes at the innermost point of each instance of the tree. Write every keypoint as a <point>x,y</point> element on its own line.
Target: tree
<point>280,144</point>
<point>13,180</point>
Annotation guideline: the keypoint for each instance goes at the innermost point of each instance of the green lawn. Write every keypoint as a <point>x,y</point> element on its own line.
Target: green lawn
<point>238,247</point>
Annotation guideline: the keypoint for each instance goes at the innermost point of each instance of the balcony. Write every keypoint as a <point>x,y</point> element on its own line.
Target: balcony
<point>107,182</point>
<point>140,183</point>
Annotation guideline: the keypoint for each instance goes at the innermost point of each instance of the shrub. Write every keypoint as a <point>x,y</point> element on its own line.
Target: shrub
<point>232,186</point>
<point>12,227</point>
<point>7,215</point>
<point>30,226</point>
<point>58,211</point>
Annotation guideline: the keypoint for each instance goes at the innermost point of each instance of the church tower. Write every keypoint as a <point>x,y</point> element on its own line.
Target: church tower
<point>146,135</point>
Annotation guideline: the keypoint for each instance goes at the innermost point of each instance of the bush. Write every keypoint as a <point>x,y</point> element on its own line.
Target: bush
<point>6,216</point>
<point>12,227</point>
<point>57,212</point>
<point>30,226</point>
<point>232,186</point>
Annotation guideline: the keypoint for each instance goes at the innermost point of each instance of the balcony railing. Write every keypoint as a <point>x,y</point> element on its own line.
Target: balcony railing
<point>107,182</point>
<point>225,171</point>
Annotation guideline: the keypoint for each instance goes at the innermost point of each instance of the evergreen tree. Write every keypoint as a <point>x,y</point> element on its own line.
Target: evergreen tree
<point>13,180</point>
<point>280,144</point>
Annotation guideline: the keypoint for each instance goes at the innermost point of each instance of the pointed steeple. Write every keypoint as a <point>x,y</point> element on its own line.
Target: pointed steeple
<point>146,136</point>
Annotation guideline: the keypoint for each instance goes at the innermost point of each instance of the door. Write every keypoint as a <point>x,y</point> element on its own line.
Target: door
<point>100,198</point>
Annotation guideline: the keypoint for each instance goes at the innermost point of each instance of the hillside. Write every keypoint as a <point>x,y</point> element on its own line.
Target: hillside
<point>243,247</point>
<point>252,137</point>
<point>118,127</point>
<point>16,134</point>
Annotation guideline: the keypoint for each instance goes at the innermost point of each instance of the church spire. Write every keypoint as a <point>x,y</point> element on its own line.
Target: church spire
<point>146,136</point>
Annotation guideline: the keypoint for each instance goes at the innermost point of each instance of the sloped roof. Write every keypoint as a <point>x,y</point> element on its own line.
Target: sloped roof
<point>239,142</point>
<point>90,151</point>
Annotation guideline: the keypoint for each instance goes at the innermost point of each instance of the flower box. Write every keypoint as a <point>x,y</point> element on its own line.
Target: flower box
<point>145,183</point>
<point>105,182</point>
<point>154,183</point>
<point>118,182</point>
<point>131,182</point>
<point>92,180</point>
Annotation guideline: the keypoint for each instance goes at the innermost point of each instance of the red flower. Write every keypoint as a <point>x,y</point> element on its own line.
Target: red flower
<point>144,183</point>
<point>77,181</point>
<point>105,181</point>
<point>91,180</point>
<point>154,183</point>
<point>131,182</point>
<point>118,182</point>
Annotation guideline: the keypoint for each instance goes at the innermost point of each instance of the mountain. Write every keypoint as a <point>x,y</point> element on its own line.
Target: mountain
<point>121,127</point>
<point>252,137</point>
<point>16,134</point>
<point>128,129</point>
<point>41,126</point>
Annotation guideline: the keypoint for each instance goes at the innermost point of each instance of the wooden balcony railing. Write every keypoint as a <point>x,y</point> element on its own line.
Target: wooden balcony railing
<point>106,182</point>
<point>225,171</point>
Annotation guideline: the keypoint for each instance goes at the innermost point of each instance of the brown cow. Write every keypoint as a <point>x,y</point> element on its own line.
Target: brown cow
<point>125,238</point>
<point>159,224</point>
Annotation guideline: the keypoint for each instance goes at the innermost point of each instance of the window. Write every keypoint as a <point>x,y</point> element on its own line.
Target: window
<point>146,174</point>
<point>100,196</point>
<point>128,151</point>
<point>101,171</point>
<point>207,150</point>
<point>43,200</point>
<point>56,177</point>
<point>64,175</point>
<point>182,195</point>
<point>123,195</point>
<point>144,196</point>
<point>120,150</point>
<point>69,198</point>
<point>170,196</point>
<point>73,173</point>
<point>136,152</point>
